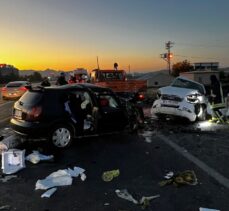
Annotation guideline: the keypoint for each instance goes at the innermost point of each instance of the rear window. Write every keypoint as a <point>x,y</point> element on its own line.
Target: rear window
<point>31,97</point>
<point>14,84</point>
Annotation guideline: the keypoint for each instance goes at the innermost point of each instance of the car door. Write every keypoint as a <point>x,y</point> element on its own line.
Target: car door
<point>113,115</point>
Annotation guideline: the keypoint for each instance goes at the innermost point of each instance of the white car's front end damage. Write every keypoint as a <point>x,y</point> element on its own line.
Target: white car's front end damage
<point>182,102</point>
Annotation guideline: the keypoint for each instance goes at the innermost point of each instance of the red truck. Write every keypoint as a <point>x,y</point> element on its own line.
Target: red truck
<point>117,81</point>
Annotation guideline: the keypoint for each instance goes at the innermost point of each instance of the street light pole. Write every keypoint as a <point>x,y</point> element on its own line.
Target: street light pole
<point>168,46</point>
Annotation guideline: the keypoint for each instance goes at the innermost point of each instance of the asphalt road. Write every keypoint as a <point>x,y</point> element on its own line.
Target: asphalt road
<point>142,161</point>
<point>5,112</point>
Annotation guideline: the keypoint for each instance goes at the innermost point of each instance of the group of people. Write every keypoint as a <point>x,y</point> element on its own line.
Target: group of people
<point>61,80</point>
<point>76,78</point>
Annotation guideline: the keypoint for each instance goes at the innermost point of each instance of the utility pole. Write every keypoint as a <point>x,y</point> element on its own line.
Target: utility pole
<point>98,62</point>
<point>168,46</point>
<point>167,56</point>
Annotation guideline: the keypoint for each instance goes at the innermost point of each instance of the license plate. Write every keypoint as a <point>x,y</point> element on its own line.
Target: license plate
<point>169,102</point>
<point>18,114</point>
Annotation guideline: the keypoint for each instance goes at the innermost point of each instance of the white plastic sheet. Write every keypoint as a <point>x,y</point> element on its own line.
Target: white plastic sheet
<point>207,209</point>
<point>124,194</point>
<point>36,157</point>
<point>61,177</point>
<point>75,172</point>
<point>48,193</point>
<point>58,178</point>
<point>13,160</point>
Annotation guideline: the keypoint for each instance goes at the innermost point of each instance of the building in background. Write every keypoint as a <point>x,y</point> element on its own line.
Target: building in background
<point>156,80</point>
<point>206,66</point>
<point>202,77</point>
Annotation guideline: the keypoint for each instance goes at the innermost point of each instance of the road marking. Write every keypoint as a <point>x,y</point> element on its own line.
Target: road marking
<point>1,105</point>
<point>210,171</point>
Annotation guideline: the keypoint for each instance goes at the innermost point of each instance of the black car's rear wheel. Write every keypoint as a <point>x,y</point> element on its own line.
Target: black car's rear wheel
<point>61,136</point>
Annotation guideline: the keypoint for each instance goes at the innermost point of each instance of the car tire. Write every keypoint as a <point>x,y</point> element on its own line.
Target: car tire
<point>61,136</point>
<point>202,114</point>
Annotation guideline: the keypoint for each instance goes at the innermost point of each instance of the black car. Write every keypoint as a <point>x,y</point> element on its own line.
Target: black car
<point>62,113</point>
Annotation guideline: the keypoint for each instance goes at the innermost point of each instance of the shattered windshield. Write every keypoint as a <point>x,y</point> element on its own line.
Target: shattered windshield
<point>182,83</point>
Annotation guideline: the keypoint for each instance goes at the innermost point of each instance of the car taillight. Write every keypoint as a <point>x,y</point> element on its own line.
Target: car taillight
<point>3,89</point>
<point>23,88</point>
<point>34,114</point>
<point>140,97</point>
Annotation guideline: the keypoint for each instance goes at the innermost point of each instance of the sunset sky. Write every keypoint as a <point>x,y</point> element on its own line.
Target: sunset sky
<point>66,34</point>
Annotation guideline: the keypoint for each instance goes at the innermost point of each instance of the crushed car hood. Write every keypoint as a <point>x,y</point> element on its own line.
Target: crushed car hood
<point>179,91</point>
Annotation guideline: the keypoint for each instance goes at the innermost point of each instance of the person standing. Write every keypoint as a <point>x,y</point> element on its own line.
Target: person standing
<point>61,79</point>
<point>216,100</point>
<point>45,82</point>
<point>216,96</point>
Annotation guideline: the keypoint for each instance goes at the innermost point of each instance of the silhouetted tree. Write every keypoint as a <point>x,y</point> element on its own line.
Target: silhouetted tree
<point>180,67</point>
<point>35,77</point>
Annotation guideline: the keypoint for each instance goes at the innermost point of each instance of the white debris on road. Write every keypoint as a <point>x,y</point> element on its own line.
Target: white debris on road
<point>60,178</point>
<point>36,157</point>
<point>13,160</point>
<point>48,193</point>
<point>124,194</point>
<point>207,209</point>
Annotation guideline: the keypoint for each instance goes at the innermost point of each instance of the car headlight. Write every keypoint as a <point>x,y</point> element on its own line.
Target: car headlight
<point>192,98</point>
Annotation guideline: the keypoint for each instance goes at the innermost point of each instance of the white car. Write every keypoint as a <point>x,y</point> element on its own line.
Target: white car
<point>183,98</point>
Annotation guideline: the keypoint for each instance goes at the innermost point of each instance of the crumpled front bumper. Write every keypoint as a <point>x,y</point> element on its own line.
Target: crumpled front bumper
<point>182,109</point>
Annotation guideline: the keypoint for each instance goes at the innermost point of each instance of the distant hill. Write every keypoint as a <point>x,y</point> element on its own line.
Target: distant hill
<point>44,73</point>
<point>151,74</point>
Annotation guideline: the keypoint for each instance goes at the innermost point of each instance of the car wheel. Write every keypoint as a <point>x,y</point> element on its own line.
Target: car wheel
<point>61,136</point>
<point>202,113</point>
